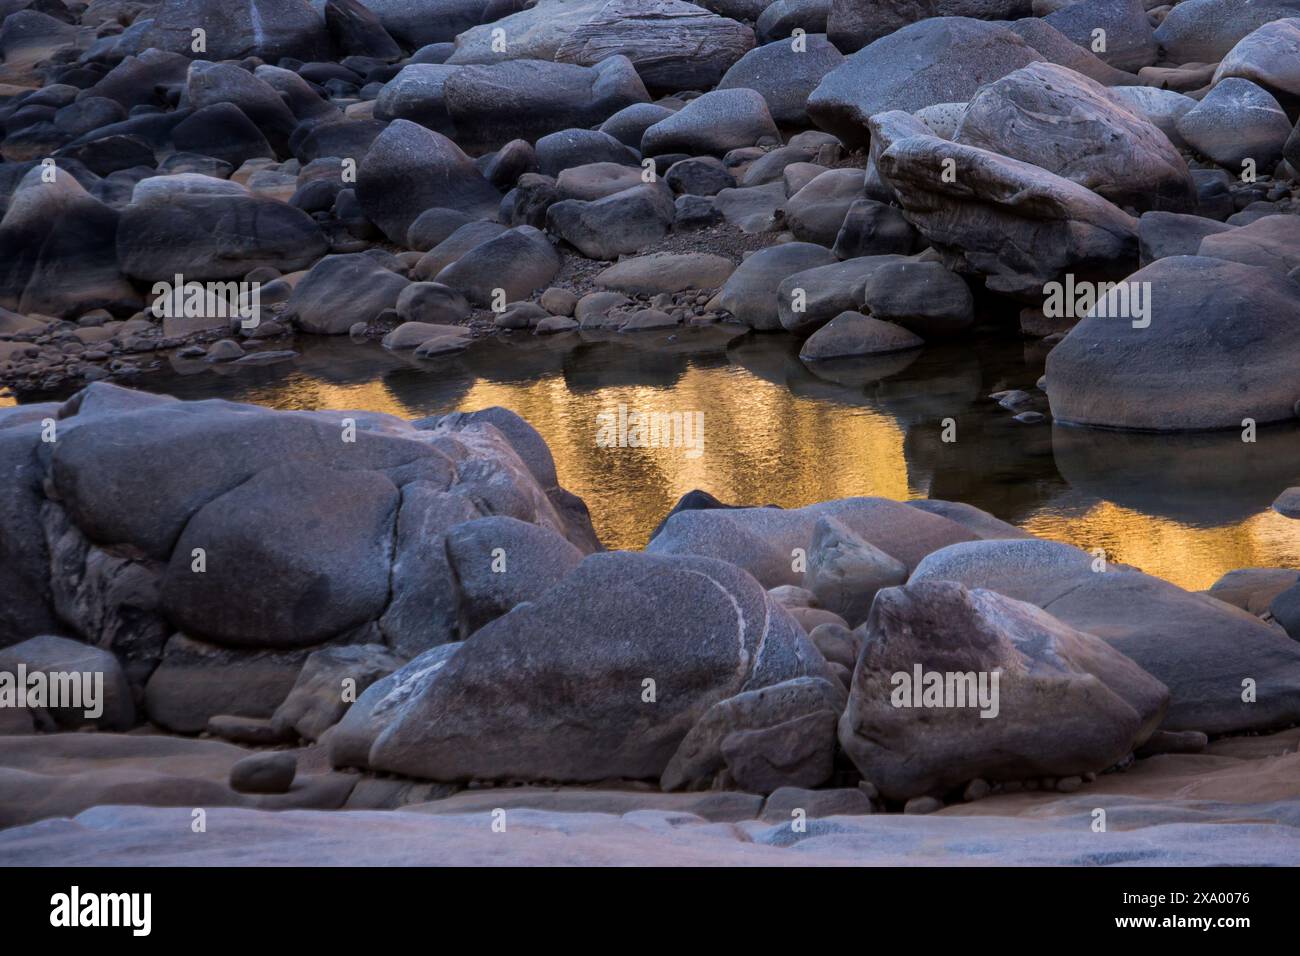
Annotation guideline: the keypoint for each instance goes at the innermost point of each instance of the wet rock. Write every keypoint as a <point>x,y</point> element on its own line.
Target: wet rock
<point>432,303</point>
<point>1288,503</point>
<point>852,333</point>
<point>1286,611</point>
<point>1066,702</point>
<point>411,335</point>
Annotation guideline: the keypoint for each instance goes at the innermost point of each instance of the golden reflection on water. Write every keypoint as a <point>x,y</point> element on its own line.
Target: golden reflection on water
<point>764,445</point>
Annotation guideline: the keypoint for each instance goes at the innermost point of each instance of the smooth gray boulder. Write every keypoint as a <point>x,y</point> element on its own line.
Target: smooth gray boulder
<point>500,707</point>
<point>340,291</point>
<point>1159,373</point>
<point>925,714</point>
<point>852,24</point>
<point>1205,31</point>
<point>1269,57</point>
<point>816,212</point>
<point>1212,656</point>
<point>234,29</point>
<point>714,123</point>
<point>416,94</point>
<point>785,76</point>
<point>750,294</point>
<point>845,572</point>
<point>517,262</point>
<point>620,224</point>
<point>409,169</point>
<point>810,298</point>
<point>852,333</point>
<point>1164,234</point>
<point>331,680</point>
<point>1272,242</point>
<point>417,23</point>
<point>1126,41</point>
<point>82,684</point>
<point>921,297</point>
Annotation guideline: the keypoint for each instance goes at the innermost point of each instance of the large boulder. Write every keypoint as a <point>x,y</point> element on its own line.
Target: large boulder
<point>212,84</point>
<point>623,223</point>
<point>1205,31</point>
<point>416,94</point>
<point>1217,346</point>
<point>1269,57</point>
<point>852,24</point>
<point>784,75</point>
<point>673,45</point>
<point>1226,670</point>
<point>96,690</point>
<point>533,33</point>
<point>517,261</point>
<point>939,60</point>
<point>1118,31</point>
<point>1272,242</point>
<point>410,169</point>
<point>1017,224</point>
<point>1065,123</point>
<point>234,29</point>
<point>691,632</point>
<point>750,293</point>
<point>205,228</point>
<point>57,249</point>
<point>416,23</point>
<point>772,544</point>
<point>956,684</point>
<point>526,99</point>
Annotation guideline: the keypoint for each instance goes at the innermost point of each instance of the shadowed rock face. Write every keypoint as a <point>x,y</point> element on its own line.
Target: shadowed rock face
<point>237,28</point>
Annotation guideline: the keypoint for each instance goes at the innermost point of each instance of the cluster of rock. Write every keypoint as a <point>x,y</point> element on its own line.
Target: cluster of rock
<point>442,163</point>
<point>423,600</point>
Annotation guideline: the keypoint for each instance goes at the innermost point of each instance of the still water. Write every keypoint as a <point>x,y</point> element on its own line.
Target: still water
<point>1187,508</point>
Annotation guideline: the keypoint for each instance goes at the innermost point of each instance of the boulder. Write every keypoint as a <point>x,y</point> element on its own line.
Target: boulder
<point>673,45</point>
<point>500,562</point>
<point>784,76</point>
<point>1162,375</point>
<point>212,84</point>
<point>264,773</point>
<point>782,735</point>
<point>1202,649</point>
<point>432,302</point>
<point>809,299</point>
<point>558,152</point>
<point>82,684</point>
<point>1126,42</point>
<point>765,541</point>
<point>666,272</point>
<point>416,93</point>
<point>750,294</point>
<point>852,333</point>
<point>501,707</point>
<point>1164,234</point>
<point>925,714</point>
<point>205,228</point>
<point>699,176</point>
<point>874,228</point>
<point>816,212</point>
<point>922,297</point>
<point>410,169</point>
<point>517,262</point>
<point>342,290</point>
<point>57,254</point>
<point>1269,57</point>
<point>416,23</point>
<point>526,99</point>
<point>1235,122</point>
<point>1205,31</point>
<point>616,225</point>
<point>1018,225</point>
<point>780,19</point>
<point>1054,118</point>
<point>356,31</point>
<point>958,55</point>
<point>331,679</point>
<point>234,29</point>
<point>1164,108</point>
<point>852,24</point>
<point>845,573</point>
<point>713,124</point>
<point>1271,242</point>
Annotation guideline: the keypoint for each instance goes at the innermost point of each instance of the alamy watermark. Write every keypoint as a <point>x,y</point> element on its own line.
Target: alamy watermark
<point>947,689</point>
<point>54,690</point>
<point>1104,300</point>
<point>628,428</point>
<point>208,300</point>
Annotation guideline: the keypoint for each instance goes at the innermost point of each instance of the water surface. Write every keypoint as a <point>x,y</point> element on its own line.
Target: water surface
<point>1185,507</point>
